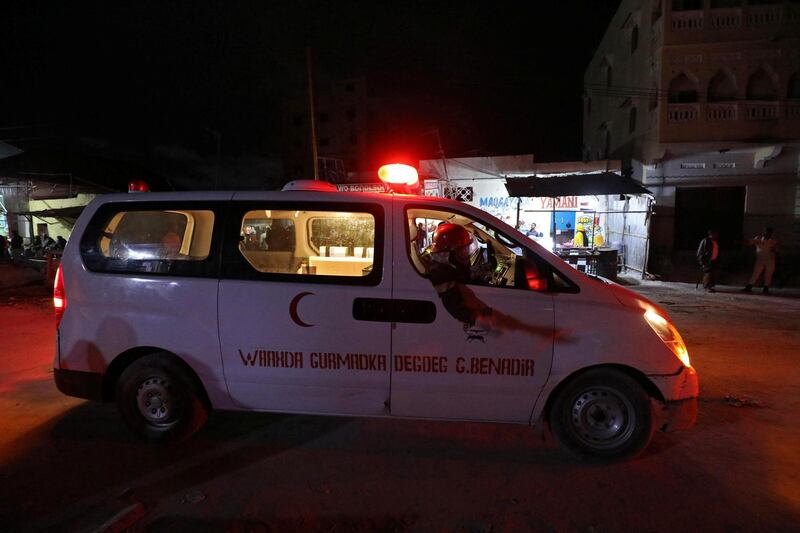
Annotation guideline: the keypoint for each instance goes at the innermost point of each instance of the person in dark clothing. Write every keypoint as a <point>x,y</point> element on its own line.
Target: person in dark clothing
<point>449,262</point>
<point>421,237</point>
<point>450,269</point>
<point>16,245</point>
<point>707,258</point>
<point>47,242</point>
<point>533,232</point>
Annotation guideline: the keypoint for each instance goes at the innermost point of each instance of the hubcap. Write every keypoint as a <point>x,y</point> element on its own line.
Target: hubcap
<point>156,401</point>
<point>602,417</point>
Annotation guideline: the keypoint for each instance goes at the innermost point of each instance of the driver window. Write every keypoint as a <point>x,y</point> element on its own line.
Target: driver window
<point>490,260</point>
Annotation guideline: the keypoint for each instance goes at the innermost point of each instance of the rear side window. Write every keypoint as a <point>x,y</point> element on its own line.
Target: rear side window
<point>309,243</point>
<point>305,242</point>
<point>159,241</point>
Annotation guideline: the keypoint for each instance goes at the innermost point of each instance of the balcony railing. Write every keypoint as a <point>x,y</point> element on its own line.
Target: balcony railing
<point>687,20</point>
<point>736,17</point>
<point>718,112</point>
<point>726,18</point>
<point>682,112</point>
<point>761,110</point>
<point>764,15</point>
<point>732,111</point>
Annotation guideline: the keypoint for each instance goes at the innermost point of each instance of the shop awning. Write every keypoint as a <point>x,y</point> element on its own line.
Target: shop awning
<point>72,212</point>
<point>574,185</point>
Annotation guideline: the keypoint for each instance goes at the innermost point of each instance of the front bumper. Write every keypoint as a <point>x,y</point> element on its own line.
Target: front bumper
<point>680,391</point>
<point>678,415</point>
<point>88,385</point>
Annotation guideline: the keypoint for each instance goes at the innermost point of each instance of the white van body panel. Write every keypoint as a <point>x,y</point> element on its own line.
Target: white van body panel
<point>478,373</point>
<point>287,345</point>
<point>591,327</point>
<point>109,314</point>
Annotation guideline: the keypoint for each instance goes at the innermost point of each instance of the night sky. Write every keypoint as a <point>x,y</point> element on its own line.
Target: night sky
<point>494,79</point>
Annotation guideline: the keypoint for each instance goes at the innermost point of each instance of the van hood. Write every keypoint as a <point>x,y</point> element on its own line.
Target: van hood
<point>629,298</point>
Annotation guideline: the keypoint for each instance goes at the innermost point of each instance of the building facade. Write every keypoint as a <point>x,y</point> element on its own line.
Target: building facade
<point>700,99</point>
<point>346,129</point>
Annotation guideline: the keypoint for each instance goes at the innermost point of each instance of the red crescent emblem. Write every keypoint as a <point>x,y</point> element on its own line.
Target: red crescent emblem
<point>293,309</point>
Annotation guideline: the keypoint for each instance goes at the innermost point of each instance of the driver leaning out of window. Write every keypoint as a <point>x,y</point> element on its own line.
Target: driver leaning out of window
<point>454,260</point>
<point>449,261</point>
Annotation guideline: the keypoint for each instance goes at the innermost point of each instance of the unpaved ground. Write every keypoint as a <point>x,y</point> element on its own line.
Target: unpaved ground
<point>66,464</point>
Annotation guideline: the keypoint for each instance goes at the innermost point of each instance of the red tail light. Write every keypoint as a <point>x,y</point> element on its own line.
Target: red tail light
<point>59,297</point>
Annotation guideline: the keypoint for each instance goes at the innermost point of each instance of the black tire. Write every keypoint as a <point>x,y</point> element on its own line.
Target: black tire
<point>159,401</point>
<point>602,415</point>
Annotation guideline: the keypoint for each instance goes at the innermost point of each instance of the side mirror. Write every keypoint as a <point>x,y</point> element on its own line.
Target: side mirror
<point>530,276</point>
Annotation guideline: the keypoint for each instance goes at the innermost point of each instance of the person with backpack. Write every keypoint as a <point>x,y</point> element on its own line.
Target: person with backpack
<point>707,258</point>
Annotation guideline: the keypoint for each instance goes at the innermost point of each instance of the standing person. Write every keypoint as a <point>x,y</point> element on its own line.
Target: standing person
<point>3,248</point>
<point>766,250</point>
<point>421,237</point>
<point>16,245</point>
<point>707,256</point>
<point>532,232</point>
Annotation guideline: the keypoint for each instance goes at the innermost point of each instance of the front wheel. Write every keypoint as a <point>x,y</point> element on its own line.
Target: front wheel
<point>603,415</point>
<point>158,400</point>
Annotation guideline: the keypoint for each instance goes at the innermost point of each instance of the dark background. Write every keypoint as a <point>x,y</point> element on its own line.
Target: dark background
<point>494,78</point>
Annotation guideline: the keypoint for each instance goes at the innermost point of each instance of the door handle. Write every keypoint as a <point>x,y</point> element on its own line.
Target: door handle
<point>389,310</point>
<point>372,309</point>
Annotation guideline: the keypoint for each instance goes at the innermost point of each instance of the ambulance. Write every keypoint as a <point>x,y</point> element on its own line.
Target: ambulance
<point>309,300</point>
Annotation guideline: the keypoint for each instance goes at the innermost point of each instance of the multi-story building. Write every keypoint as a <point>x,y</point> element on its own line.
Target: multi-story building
<point>701,100</point>
<point>345,125</point>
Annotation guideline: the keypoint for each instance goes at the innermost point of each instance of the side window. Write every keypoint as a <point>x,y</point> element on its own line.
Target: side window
<point>474,253</point>
<point>148,240</point>
<point>312,243</point>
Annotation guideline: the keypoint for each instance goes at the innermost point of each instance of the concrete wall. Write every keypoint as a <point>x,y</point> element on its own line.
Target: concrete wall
<point>771,199</point>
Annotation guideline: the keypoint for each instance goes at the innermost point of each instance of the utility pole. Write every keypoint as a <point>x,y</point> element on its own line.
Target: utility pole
<point>312,122</point>
<point>441,154</point>
<point>218,138</point>
<point>435,131</point>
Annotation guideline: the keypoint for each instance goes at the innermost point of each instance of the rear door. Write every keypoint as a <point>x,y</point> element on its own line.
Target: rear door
<point>294,336</point>
<point>147,275</point>
<point>446,367</point>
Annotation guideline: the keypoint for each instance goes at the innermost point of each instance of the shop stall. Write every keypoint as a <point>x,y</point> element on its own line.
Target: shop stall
<point>584,219</point>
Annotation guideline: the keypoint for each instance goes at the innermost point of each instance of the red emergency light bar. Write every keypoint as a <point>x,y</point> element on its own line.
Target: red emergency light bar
<point>398,174</point>
<point>138,186</point>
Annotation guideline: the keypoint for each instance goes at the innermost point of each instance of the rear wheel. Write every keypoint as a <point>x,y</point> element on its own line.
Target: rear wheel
<point>158,400</point>
<point>603,415</point>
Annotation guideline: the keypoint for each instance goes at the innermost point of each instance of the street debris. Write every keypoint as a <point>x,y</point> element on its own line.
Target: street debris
<point>742,401</point>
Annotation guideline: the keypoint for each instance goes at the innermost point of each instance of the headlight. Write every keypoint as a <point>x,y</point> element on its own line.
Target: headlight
<point>667,333</point>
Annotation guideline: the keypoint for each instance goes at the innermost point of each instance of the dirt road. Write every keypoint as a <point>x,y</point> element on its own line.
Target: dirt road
<point>66,464</point>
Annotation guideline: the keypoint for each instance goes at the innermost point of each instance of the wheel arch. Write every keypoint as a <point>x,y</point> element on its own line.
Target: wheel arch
<point>126,358</point>
<point>639,376</point>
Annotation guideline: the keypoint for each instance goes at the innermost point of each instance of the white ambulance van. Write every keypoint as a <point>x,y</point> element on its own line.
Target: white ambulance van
<point>310,300</point>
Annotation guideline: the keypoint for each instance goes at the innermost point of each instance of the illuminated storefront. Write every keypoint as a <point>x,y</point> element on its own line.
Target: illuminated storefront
<point>584,213</point>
